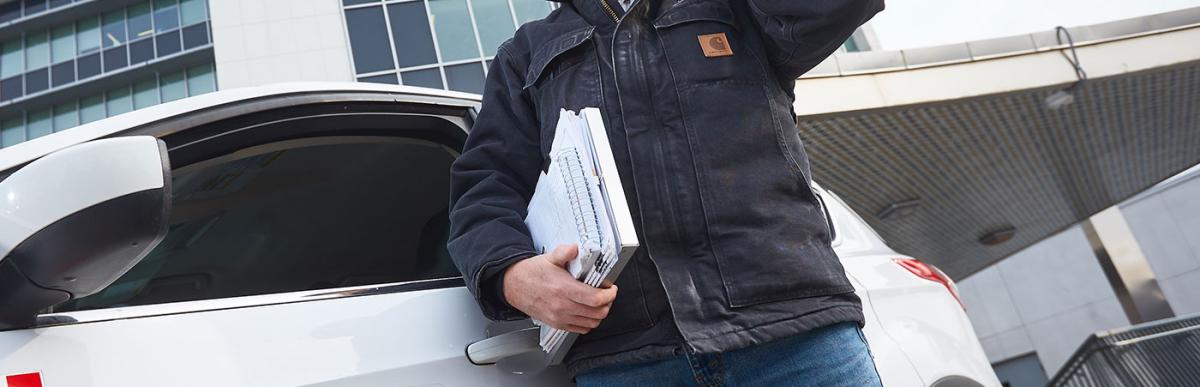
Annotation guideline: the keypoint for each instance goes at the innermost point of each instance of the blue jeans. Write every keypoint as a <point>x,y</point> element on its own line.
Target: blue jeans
<point>836,355</point>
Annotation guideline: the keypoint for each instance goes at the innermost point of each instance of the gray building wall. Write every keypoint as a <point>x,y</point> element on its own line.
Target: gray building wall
<point>1166,224</point>
<point>1045,299</point>
<point>267,41</point>
<point>1049,297</point>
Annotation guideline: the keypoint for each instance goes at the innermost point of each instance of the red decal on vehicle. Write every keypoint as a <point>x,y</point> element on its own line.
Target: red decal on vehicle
<point>33,379</point>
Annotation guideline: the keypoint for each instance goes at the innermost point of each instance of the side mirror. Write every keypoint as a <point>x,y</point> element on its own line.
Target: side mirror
<point>75,220</point>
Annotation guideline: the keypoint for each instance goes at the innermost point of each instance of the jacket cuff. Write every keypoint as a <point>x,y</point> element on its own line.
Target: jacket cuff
<point>490,289</point>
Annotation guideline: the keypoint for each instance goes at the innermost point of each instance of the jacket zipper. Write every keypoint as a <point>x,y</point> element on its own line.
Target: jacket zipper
<point>687,345</point>
<point>608,8</point>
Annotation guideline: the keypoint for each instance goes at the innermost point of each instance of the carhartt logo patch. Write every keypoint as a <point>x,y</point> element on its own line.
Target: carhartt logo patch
<point>715,45</point>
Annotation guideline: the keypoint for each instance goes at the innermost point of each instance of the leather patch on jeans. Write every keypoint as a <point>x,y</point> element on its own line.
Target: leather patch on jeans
<point>715,45</point>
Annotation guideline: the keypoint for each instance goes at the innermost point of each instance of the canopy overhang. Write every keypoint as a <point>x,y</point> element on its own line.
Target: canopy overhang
<point>968,152</point>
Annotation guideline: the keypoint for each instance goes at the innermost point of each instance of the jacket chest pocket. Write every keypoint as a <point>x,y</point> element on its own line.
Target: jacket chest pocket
<point>704,43</point>
<point>563,74</point>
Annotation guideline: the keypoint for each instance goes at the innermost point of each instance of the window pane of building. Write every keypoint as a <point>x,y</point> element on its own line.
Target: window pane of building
<point>115,58</point>
<point>87,35</point>
<point>195,36</point>
<point>139,21</point>
<point>12,87</point>
<point>145,93</point>
<point>13,131</point>
<point>34,6</point>
<point>12,59</point>
<point>200,79</point>
<point>173,87</point>
<point>168,43</point>
<point>465,77</point>
<point>166,15</point>
<point>89,66</point>
<point>10,11</point>
<point>119,101</point>
<point>530,10</point>
<point>410,31</point>
<point>58,3</point>
<point>355,2</point>
<point>141,51</point>
<point>62,43</point>
<point>62,73</point>
<point>495,23</point>
<point>423,78</point>
<point>65,116</point>
<point>91,109</point>
<point>38,123</point>
<point>37,50</point>
<point>452,24</point>
<point>114,28</point>
<point>368,39</point>
<point>385,78</point>
<point>37,80</point>
<point>193,11</point>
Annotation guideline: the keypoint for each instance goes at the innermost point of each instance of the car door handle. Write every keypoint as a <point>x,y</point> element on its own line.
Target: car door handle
<point>493,349</point>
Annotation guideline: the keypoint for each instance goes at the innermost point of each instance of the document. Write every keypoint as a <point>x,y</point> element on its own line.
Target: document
<point>579,200</point>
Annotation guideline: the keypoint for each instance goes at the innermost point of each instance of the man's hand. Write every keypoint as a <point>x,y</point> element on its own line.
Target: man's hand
<point>541,287</point>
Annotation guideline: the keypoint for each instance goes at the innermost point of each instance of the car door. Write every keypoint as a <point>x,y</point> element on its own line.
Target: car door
<point>306,246</point>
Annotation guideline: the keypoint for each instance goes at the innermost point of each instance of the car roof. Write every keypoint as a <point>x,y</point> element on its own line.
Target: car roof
<point>25,152</point>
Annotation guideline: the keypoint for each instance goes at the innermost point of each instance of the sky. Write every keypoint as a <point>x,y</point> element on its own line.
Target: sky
<point>920,23</point>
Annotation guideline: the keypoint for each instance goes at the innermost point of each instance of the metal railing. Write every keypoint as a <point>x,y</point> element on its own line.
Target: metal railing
<point>1159,353</point>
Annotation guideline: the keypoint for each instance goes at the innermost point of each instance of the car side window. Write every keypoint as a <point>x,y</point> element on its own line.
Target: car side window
<point>299,215</point>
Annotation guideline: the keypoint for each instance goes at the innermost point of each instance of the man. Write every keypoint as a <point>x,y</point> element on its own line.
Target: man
<point>736,282</point>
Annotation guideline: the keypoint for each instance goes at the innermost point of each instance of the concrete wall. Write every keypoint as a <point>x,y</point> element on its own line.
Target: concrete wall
<point>1166,224</point>
<point>266,41</point>
<point>1050,296</point>
<point>1045,299</point>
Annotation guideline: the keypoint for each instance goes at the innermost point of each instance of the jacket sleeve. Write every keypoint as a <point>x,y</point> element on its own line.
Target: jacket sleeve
<point>802,33</point>
<point>490,186</point>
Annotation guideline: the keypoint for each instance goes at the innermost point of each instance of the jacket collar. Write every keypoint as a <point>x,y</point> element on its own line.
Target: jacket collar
<point>594,11</point>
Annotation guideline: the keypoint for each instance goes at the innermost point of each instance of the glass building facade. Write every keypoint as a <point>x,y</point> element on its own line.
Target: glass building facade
<point>45,69</point>
<point>443,44</point>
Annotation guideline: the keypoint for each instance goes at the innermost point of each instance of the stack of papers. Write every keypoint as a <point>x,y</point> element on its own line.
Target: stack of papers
<point>579,200</point>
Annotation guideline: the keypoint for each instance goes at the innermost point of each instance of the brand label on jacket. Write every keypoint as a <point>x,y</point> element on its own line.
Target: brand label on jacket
<point>715,45</point>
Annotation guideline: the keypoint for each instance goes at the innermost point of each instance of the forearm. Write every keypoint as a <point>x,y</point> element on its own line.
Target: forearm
<point>800,34</point>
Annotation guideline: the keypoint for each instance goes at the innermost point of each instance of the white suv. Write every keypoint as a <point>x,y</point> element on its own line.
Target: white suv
<point>295,235</point>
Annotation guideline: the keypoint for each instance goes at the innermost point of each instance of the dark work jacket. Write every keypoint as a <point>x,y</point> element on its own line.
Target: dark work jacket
<point>735,243</point>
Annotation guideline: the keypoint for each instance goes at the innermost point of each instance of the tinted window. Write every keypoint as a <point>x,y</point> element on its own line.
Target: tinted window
<point>195,36</point>
<point>425,78</point>
<point>113,33</point>
<point>141,51</point>
<point>11,88</point>
<point>166,15</point>
<point>452,23</point>
<point>115,58</point>
<point>495,23</point>
<point>466,77</point>
<point>410,31</point>
<point>10,11</point>
<point>168,43</point>
<point>36,81</point>
<point>89,65</point>
<point>281,218</point>
<point>385,78</point>
<point>63,73</point>
<point>368,37</point>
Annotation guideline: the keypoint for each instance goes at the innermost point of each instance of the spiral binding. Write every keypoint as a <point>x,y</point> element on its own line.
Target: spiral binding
<point>578,194</point>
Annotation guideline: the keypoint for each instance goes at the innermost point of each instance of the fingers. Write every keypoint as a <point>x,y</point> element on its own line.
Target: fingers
<point>562,255</point>
<point>589,296</point>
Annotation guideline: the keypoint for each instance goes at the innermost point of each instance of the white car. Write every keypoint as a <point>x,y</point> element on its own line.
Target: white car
<point>295,234</point>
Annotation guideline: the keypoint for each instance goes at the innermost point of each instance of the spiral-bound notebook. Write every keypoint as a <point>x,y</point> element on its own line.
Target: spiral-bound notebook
<point>579,200</point>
